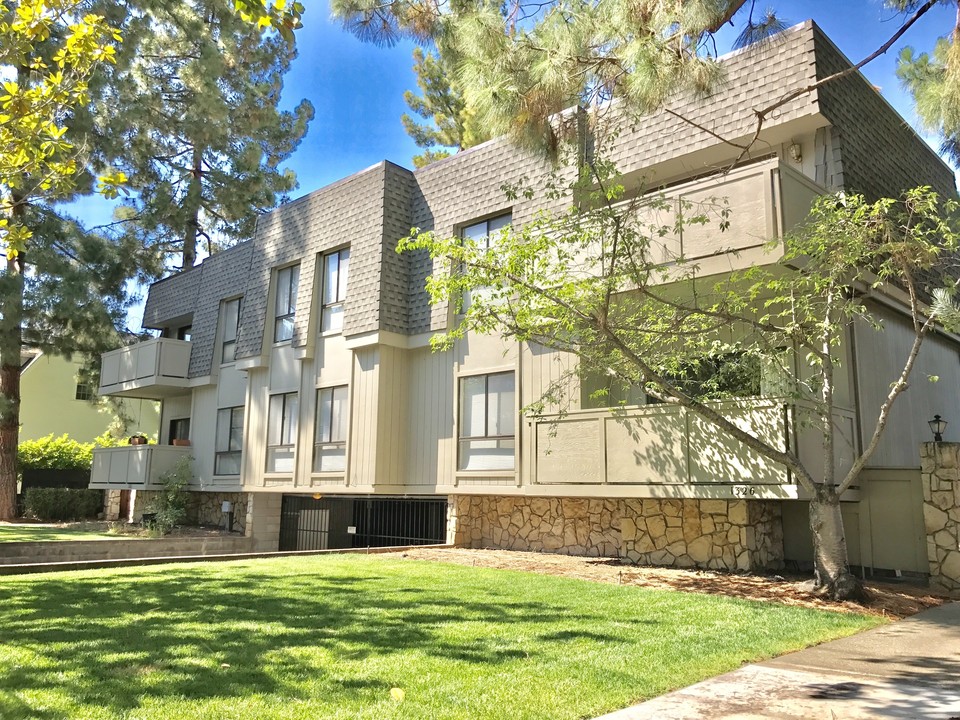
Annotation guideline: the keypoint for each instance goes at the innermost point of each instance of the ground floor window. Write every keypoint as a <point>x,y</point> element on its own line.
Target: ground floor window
<point>330,441</point>
<point>282,432</point>
<point>229,444</point>
<point>487,422</point>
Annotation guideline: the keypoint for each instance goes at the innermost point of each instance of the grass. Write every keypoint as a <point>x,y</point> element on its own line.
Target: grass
<point>330,637</point>
<point>27,532</point>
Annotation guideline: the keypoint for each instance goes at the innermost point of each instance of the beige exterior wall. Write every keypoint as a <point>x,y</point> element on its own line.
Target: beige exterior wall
<point>48,389</point>
<point>933,389</point>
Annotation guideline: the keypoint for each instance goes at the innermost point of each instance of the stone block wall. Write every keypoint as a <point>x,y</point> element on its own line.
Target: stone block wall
<point>716,534</point>
<point>940,479</point>
<point>205,508</point>
<point>111,505</point>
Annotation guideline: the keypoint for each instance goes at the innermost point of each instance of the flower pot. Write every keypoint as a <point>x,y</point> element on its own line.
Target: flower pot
<point>178,442</point>
<point>138,441</point>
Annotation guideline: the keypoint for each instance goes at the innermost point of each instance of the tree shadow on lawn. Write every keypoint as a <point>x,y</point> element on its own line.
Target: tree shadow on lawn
<point>194,634</point>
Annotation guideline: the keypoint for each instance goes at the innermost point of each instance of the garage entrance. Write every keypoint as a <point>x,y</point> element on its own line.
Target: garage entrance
<point>332,523</point>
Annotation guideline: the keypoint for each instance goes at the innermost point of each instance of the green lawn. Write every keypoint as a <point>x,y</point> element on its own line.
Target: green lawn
<point>26,532</point>
<point>329,637</point>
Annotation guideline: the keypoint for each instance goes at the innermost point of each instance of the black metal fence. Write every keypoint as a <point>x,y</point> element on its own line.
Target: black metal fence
<point>329,523</point>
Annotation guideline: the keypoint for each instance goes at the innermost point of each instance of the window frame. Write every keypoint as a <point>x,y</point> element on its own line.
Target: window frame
<point>227,340</point>
<point>281,320</point>
<point>340,293</point>
<point>486,436</point>
<point>230,451</point>
<point>330,442</point>
<point>84,392</point>
<point>484,240</point>
<point>284,430</point>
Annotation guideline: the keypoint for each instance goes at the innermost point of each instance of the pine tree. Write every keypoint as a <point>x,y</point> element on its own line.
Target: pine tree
<point>190,114</point>
<point>934,81</point>
<point>451,124</point>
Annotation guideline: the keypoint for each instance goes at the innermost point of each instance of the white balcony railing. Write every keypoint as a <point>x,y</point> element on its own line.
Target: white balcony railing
<point>668,445</point>
<point>134,467</point>
<point>154,369</point>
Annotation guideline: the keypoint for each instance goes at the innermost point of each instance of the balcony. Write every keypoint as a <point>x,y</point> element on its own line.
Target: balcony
<point>136,467</point>
<point>154,370</point>
<point>670,447</point>
<point>765,199</point>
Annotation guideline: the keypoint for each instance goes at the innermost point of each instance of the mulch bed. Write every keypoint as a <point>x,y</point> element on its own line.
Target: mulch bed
<point>884,599</point>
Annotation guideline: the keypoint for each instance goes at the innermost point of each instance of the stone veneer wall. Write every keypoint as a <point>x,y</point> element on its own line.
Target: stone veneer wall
<point>203,508</point>
<point>940,478</point>
<point>111,504</point>
<point>716,534</point>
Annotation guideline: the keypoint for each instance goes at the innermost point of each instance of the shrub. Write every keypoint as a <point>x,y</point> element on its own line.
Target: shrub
<point>170,507</point>
<point>50,453</point>
<point>62,503</point>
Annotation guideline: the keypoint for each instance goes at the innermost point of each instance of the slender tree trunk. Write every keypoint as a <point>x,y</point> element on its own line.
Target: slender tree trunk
<point>831,569</point>
<point>11,296</point>
<point>192,209</point>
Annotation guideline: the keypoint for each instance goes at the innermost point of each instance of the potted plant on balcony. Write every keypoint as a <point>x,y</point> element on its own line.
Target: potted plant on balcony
<point>181,442</point>
<point>138,439</point>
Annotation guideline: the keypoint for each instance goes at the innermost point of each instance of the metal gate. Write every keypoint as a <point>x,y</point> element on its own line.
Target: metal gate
<point>329,523</point>
<point>388,522</point>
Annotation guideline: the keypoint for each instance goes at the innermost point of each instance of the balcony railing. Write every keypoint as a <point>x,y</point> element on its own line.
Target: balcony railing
<point>135,467</point>
<point>154,369</point>
<point>668,445</point>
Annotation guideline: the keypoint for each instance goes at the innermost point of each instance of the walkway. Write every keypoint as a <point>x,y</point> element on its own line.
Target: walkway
<point>908,669</point>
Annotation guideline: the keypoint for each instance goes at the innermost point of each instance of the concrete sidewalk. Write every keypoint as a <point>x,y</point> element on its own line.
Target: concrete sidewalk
<point>909,669</point>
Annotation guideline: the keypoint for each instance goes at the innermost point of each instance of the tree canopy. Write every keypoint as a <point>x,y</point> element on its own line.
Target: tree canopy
<point>190,114</point>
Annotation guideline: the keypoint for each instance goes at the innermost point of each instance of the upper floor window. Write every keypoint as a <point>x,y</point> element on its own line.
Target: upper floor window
<point>229,441</point>
<point>231,324</point>
<point>330,442</point>
<point>487,422</point>
<point>335,267</point>
<point>481,233</point>
<point>288,279</point>
<point>185,332</point>
<point>282,432</point>
<point>84,392</point>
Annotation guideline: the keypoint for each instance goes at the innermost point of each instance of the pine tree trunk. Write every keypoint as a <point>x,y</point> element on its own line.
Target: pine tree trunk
<point>191,207</point>
<point>831,569</point>
<point>11,298</point>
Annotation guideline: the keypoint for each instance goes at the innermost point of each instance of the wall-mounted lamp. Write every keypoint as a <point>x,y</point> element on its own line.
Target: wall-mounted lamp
<point>937,426</point>
<point>318,496</point>
<point>796,152</point>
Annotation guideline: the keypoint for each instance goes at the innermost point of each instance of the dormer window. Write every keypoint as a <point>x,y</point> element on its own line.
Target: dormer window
<point>481,233</point>
<point>335,268</point>
<point>231,324</point>
<point>285,308</point>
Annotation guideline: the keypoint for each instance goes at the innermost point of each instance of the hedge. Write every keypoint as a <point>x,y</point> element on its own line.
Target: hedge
<point>62,503</point>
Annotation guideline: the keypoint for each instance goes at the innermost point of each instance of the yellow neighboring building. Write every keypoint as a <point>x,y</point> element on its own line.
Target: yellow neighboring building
<point>54,401</point>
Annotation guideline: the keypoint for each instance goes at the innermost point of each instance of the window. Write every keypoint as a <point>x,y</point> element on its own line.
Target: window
<point>487,422</point>
<point>282,432</point>
<point>179,429</point>
<point>185,332</point>
<point>286,302</point>
<point>335,267</point>
<point>231,324</point>
<point>84,392</point>
<point>229,442</point>
<point>330,441</point>
<point>480,233</point>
